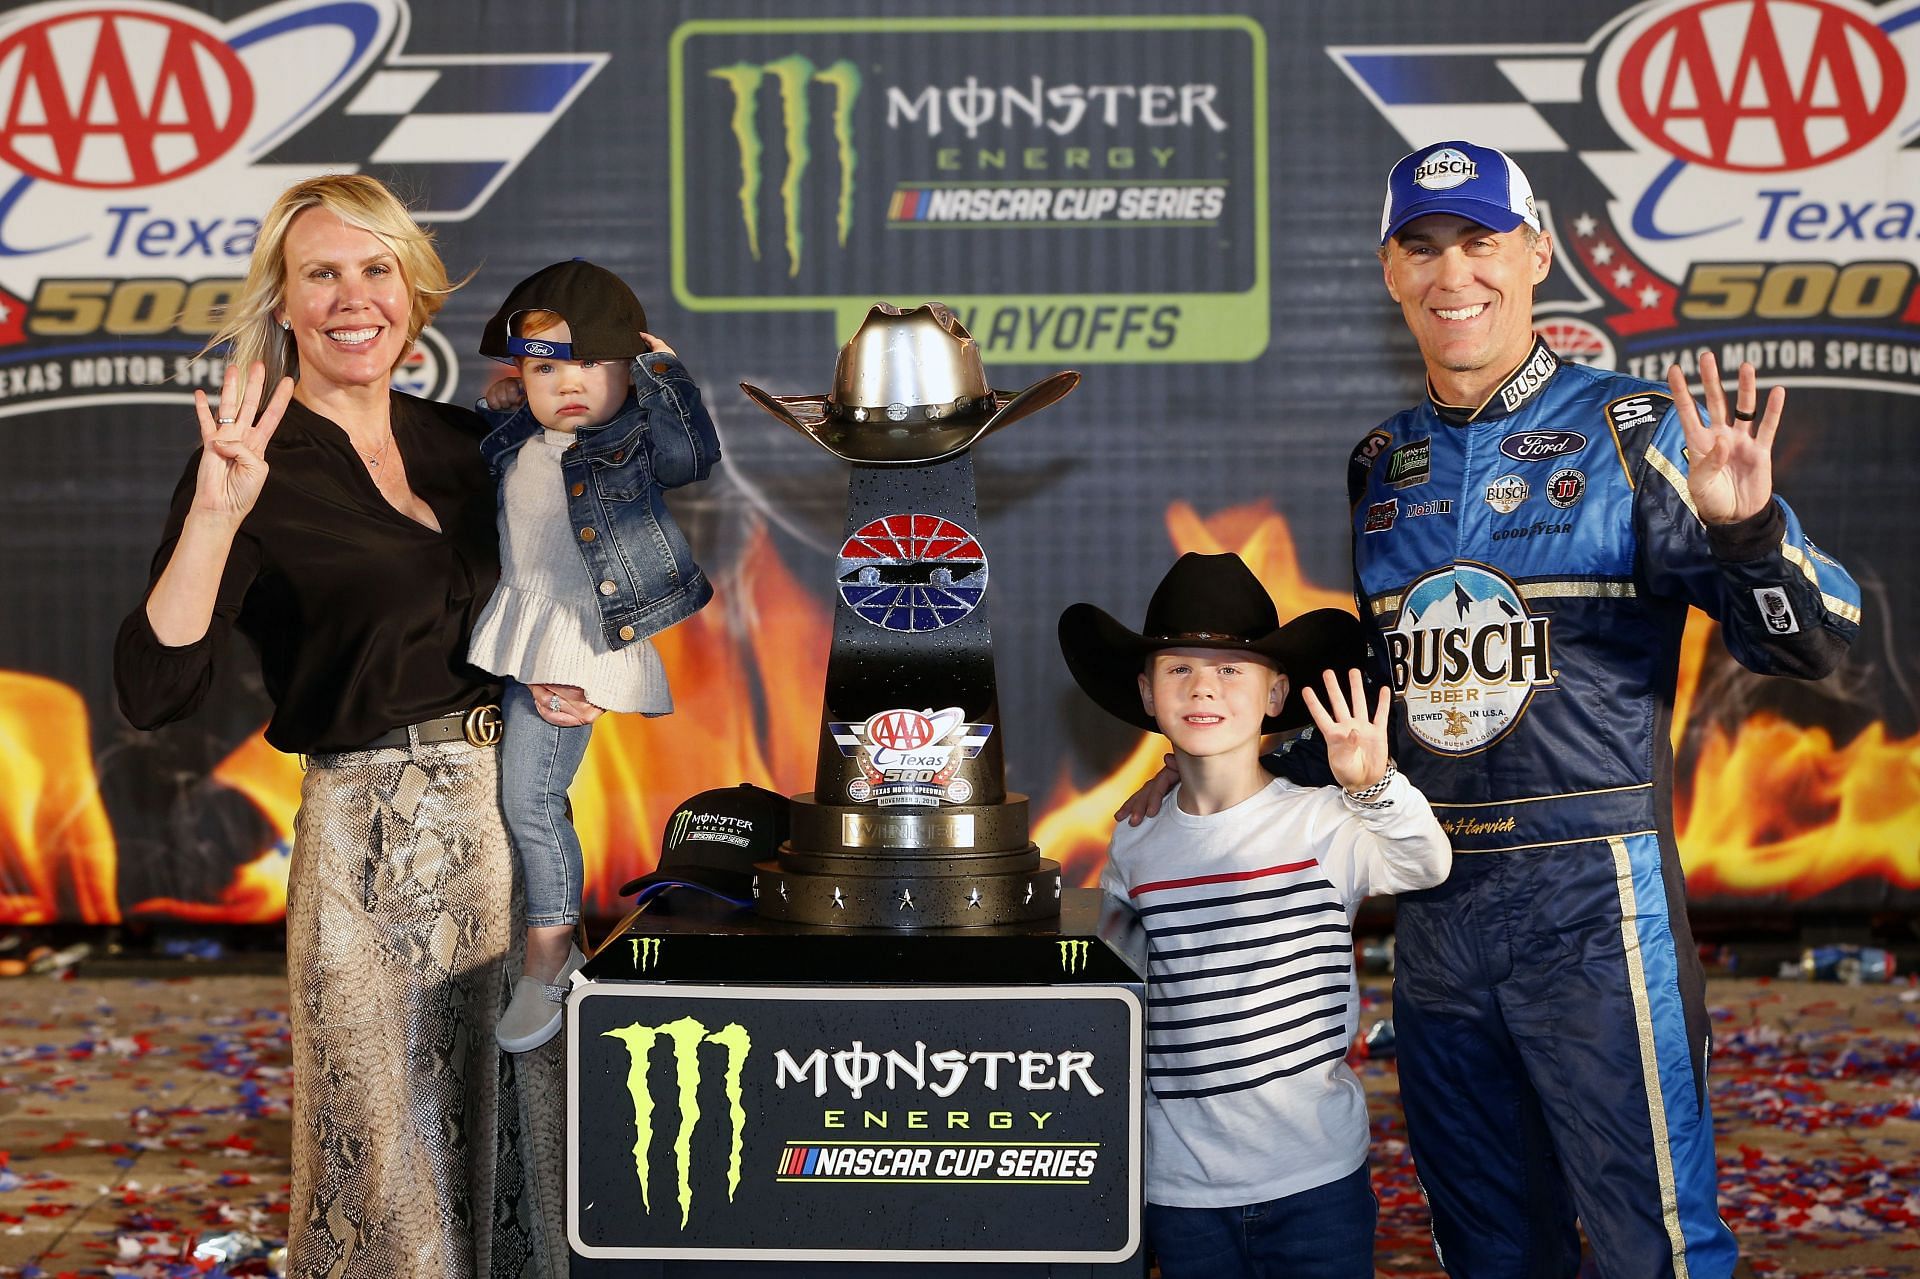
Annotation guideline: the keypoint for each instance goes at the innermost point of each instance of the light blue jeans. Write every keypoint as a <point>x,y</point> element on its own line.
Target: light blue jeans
<point>537,764</point>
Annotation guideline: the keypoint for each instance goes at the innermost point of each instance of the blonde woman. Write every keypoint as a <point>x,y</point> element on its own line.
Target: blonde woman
<point>347,531</point>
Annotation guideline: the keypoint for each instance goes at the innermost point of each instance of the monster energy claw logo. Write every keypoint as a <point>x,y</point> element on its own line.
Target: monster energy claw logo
<point>646,952</point>
<point>793,75</point>
<point>1073,956</point>
<point>684,1037</point>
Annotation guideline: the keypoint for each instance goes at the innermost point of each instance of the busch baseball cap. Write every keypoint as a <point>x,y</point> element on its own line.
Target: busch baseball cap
<point>601,312</point>
<point>1469,181</point>
<point>712,841</point>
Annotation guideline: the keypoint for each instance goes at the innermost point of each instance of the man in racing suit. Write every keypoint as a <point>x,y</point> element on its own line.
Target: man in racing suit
<point>1526,543</point>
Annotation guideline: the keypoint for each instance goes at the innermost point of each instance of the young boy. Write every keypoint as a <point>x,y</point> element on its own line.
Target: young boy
<point>1247,884</point>
<point>591,564</point>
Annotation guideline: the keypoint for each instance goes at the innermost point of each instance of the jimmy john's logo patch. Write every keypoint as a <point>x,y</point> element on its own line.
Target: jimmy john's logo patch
<point>1381,515</point>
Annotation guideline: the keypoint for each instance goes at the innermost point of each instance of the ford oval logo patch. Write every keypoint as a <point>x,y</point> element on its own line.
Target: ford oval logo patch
<point>541,348</point>
<point>1538,446</point>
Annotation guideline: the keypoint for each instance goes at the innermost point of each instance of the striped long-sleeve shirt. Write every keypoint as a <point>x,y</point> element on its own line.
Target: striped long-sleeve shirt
<point>1251,993</point>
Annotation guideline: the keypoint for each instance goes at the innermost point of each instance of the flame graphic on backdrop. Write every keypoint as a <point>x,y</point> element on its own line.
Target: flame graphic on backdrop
<point>1772,807</point>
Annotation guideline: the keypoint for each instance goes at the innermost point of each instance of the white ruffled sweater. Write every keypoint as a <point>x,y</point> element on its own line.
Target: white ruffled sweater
<point>543,624</point>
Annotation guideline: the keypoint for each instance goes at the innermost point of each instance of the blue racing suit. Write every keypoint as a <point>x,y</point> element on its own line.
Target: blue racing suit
<point>1526,568</point>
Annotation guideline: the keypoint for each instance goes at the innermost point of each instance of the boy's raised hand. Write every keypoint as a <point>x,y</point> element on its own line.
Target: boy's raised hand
<point>1356,743</point>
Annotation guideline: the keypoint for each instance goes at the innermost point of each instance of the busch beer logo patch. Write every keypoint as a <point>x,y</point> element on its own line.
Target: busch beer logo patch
<point>1507,493</point>
<point>1736,175</point>
<point>911,757</point>
<point>1465,656</point>
<point>912,572</point>
<point>141,141</point>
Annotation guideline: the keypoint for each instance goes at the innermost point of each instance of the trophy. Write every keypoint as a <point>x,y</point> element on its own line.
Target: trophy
<point>909,824</point>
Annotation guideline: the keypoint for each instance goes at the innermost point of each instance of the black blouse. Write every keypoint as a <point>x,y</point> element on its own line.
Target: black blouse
<point>360,615</point>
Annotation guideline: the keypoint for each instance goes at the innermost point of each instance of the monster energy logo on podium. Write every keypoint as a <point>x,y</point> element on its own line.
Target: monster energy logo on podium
<point>1073,955</point>
<point>794,75</point>
<point>684,1038</point>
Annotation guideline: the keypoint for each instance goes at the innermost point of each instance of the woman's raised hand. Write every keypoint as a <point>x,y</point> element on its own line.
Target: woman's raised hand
<point>233,463</point>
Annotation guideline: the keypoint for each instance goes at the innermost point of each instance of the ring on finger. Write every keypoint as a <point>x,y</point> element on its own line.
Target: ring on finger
<point>1743,415</point>
<point>226,421</point>
<point>553,701</point>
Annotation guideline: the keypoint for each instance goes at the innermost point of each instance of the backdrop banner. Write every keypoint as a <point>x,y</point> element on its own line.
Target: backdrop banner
<point>1183,206</point>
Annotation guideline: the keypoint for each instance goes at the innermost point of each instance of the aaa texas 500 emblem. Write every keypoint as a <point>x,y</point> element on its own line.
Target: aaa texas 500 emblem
<point>140,142</point>
<point>1728,174</point>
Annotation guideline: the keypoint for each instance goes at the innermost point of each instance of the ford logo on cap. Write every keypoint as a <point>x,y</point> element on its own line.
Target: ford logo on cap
<point>536,348</point>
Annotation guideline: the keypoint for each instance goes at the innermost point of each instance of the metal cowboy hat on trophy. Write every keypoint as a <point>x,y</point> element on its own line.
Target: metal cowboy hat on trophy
<point>907,388</point>
<point>909,824</point>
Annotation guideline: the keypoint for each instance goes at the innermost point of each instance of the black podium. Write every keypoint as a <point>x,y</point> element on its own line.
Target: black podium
<point>757,1097</point>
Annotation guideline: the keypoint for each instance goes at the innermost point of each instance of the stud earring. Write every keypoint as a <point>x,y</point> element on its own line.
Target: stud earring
<point>287,325</point>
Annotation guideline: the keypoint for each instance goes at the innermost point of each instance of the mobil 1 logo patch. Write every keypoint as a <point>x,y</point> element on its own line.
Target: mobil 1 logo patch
<point>1776,610</point>
<point>1634,411</point>
<point>1411,463</point>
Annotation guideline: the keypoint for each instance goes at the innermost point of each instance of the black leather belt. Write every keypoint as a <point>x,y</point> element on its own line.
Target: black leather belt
<point>477,727</point>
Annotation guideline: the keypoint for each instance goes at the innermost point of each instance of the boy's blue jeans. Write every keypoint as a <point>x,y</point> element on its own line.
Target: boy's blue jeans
<point>537,764</point>
<point>1322,1233</point>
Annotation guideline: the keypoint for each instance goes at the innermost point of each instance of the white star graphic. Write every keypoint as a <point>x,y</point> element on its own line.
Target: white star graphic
<point>839,902</point>
<point>783,890</point>
<point>1649,297</point>
<point>973,899</point>
<point>1602,254</point>
<point>6,313</point>
<point>1585,224</point>
<point>906,900</point>
<point>1622,277</point>
<point>1056,888</point>
<point>756,888</point>
<point>1029,896</point>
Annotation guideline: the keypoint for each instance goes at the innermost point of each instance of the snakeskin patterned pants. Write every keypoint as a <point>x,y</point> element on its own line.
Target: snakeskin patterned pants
<point>420,1151</point>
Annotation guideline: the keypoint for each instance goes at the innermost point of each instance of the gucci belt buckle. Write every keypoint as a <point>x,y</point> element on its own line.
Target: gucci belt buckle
<point>482,726</point>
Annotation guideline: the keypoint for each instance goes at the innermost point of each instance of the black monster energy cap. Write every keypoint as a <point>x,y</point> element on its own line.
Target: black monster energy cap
<point>601,312</point>
<point>712,841</point>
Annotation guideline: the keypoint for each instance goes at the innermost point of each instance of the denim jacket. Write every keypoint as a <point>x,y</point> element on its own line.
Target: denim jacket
<point>616,475</point>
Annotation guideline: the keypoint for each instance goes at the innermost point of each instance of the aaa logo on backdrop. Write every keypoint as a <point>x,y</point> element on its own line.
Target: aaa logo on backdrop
<point>1733,174</point>
<point>140,142</point>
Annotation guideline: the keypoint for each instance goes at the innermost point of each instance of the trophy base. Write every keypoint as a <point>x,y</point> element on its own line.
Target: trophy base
<point>908,891</point>
<point>956,866</point>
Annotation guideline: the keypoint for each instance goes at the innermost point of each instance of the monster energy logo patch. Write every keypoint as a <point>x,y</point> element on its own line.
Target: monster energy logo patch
<point>1074,955</point>
<point>794,75</point>
<point>684,1038</point>
<point>646,952</point>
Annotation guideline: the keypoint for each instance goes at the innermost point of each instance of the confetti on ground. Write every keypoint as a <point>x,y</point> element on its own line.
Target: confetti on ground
<point>1816,1099</point>
<point>141,1121</point>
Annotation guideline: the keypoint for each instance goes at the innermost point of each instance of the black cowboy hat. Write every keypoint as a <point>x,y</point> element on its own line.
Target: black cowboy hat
<point>1208,601</point>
